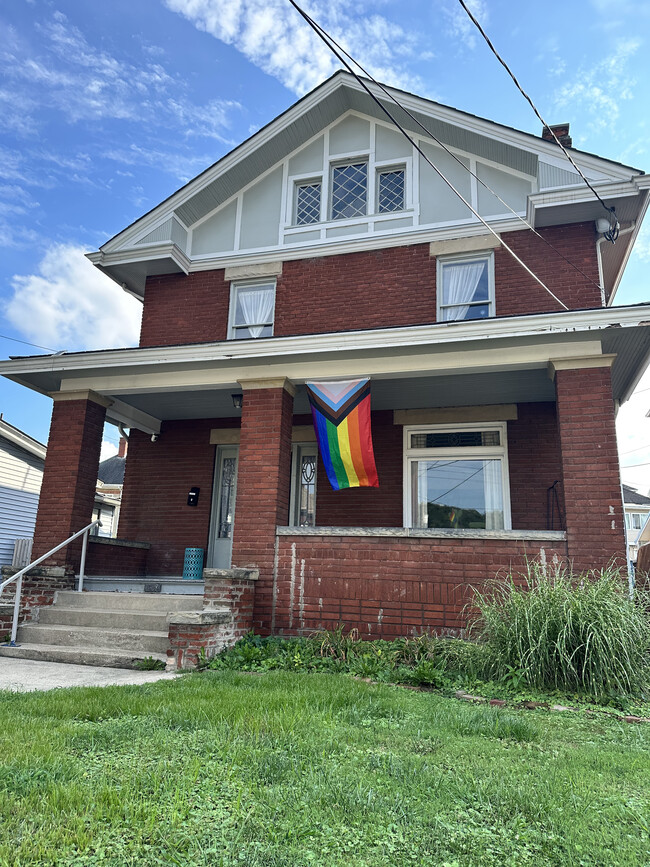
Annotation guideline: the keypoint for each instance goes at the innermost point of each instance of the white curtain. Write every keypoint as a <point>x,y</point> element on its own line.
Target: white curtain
<point>493,495</point>
<point>460,282</point>
<point>257,308</point>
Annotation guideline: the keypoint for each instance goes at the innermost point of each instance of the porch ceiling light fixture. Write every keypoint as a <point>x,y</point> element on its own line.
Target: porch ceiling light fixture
<point>237,400</point>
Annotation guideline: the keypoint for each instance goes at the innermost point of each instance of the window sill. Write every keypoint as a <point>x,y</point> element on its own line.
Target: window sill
<point>413,533</point>
<point>352,221</point>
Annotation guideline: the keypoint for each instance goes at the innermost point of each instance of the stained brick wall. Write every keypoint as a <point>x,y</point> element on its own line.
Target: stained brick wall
<point>373,289</point>
<point>592,488</point>
<point>69,478</point>
<point>115,558</point>
<point>385,587</point>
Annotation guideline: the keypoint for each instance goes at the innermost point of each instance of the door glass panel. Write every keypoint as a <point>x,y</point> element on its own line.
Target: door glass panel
<point>307,496</point>
<point>227,498</point>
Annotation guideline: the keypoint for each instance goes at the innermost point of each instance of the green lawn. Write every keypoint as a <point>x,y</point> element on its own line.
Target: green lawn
<point>223,768</point>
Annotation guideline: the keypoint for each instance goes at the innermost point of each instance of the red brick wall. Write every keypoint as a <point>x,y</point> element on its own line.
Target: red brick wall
<point>115,559</point>
<point>69,478</point>
<point>157,480</point>
<point>534,463</point>
<point>263,483</point>
<point>373,289</point>
<point>385,587</point>
<point>592,488</point>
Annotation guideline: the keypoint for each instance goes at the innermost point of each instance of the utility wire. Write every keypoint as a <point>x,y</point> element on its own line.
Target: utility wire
<point>454,156</point>
<point>26,343</point>
<point>612,235</point>
<point>327,40</point>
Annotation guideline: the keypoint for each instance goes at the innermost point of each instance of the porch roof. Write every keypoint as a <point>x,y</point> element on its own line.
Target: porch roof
<point>445,364</point>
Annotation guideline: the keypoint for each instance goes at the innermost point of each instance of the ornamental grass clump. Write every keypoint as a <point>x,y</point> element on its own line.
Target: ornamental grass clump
<point>556,630</point>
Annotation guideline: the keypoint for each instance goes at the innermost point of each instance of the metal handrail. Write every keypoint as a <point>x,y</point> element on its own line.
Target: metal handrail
<point>18,576</point>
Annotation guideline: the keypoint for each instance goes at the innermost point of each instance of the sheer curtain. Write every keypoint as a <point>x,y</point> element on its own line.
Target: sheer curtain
<point>493,495</point>
<point>257,308</point>
<point>460,282</point>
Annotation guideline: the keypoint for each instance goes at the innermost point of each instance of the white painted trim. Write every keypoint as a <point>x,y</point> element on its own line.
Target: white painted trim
<point>128,416</point>
<point>535,326</point>
<point>411,533</point>
<point>22,440</point>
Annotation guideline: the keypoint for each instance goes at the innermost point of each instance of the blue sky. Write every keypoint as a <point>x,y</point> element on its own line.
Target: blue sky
<point>107,108</point>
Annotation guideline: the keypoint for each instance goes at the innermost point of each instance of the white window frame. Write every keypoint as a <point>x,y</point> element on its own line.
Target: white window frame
<point>297,450</point>
<point>499,452</point>
<point>248,284</point>
<point>305,182</point>
<point>340,164</point>
<point>381,169</point>
<point>441,261</point>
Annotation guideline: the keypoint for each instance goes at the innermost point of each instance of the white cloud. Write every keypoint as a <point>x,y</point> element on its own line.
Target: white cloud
<point>71,305</point>
<point>271,34</point>
<point>109,450</point>
<point>462,27</point>
<point>599,89</point>
<point>633,433</point>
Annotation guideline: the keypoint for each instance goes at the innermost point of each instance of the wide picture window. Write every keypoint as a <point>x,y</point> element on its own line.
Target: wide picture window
<point>457,478</point>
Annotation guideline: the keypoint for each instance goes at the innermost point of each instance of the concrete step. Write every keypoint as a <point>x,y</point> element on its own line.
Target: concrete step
<point>152,603</point>
<point>157,586</point>
<point>89,636</point>
<point>54,615</point>
<point>105,657</point>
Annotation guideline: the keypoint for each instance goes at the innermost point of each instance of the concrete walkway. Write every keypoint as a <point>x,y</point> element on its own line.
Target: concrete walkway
<point>27,675</point>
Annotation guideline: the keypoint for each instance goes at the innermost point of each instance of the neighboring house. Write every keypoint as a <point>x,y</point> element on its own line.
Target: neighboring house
<point>325,248</point>
<point>637,510</point>
<point>21,471</point>
<point>110,481</point>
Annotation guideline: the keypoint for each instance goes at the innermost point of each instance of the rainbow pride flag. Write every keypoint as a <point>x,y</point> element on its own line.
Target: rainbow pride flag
<point>341,413</point>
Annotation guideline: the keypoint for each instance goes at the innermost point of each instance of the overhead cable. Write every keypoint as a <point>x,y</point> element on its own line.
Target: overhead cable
<point>26,342</point>
<point>454,156</point>
<point>612,235</point>
<point>324,36</point>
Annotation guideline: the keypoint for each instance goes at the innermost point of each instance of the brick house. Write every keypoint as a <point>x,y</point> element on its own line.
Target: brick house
<point>325,247</point>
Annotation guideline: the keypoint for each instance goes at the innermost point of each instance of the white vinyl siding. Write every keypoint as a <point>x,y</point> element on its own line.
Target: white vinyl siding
<point>21,474</point>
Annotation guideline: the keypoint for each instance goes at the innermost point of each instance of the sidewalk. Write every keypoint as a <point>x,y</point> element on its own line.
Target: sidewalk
<point>27,675</point>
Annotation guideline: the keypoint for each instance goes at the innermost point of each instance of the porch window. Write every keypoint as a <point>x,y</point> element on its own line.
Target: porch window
<point>252,309</point>
<point>303,485</point>
<point>465,288</point>
<point>457,477</point>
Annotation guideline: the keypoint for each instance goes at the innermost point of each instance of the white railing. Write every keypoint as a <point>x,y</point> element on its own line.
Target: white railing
<point>18,576</point>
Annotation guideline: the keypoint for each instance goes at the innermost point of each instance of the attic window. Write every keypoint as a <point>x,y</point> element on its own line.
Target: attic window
<point>308,203</point>
<point>349,190</point>
<point>390,190</point>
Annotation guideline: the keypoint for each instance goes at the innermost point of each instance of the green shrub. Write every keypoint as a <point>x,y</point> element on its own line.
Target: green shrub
<point>555,630</point>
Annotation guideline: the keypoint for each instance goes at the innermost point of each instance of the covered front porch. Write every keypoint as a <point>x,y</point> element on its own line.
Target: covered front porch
<point>488,451</point>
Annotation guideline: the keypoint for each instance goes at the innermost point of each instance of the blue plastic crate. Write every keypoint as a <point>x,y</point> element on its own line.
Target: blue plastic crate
<point>193,564</point>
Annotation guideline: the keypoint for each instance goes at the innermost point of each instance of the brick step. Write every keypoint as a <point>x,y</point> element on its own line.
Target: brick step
<point>137,641</point>
<point>153,603</point>
<point>54,615</point>
<point>89,655</point>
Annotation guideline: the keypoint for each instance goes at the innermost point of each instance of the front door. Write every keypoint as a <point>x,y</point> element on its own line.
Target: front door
<point>223,507</point>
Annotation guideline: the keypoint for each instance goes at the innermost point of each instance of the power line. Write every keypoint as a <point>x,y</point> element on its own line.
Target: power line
<point>328,41</point>
<point>612,235</point>
<point>27,343</point>
<point>429,134</point>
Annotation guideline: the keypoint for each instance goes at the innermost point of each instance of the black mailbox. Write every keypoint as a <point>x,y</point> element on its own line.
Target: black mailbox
<point>193,497</point>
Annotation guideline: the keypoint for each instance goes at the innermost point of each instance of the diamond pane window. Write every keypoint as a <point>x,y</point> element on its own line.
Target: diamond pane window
<point>349,191</point>
<point>308,203</point>
<point>391,191</point>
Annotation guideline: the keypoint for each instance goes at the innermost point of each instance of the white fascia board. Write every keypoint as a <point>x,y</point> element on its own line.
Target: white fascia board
<point>129,416</point>
<point>22,440</point>
<point>437,335</point>
<point>143,254</point>
<point>578,195</point>
<point>632,237</point>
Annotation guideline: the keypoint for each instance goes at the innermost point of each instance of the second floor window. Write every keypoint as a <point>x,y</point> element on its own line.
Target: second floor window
<point>349,190</point>
<point>465,288</point>
<point>252,310</point>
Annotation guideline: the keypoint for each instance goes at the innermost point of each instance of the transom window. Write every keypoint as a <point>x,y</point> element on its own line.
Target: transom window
<point>465,288</point>
<point>349,190</point>
<point>457,477</point>
<point>252,309</point>
<point>308,203</point>
<point>390,190</point>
